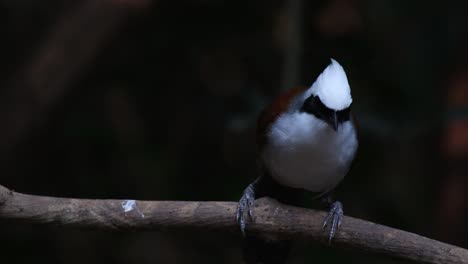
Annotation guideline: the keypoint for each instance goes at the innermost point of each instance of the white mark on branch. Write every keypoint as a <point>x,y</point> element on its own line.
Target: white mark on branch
<point>130,205</point>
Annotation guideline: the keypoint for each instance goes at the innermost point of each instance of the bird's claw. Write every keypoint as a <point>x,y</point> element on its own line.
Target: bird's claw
<point>246,204</point>
<point>334,218</point>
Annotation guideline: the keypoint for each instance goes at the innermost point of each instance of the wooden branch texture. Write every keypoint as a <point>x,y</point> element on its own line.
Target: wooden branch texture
<point>271,219</point>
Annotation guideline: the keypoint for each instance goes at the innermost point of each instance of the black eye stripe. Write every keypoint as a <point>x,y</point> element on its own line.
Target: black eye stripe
<point>314,105</point>
<point>343,115</point>
<point>323,109</point>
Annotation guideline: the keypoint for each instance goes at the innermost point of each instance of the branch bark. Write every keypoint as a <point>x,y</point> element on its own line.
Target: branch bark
<point>271,219</point>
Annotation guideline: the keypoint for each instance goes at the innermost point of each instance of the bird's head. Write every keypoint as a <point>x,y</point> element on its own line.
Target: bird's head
<point>329,97</point>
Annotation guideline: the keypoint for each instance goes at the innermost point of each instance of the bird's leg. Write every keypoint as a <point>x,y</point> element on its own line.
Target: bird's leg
<point>334,217</point>
<point>246,204</point>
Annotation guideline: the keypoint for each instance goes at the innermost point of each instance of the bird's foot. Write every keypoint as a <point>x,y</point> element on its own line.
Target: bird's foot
<point>246,205</point>
<point>334,218</point>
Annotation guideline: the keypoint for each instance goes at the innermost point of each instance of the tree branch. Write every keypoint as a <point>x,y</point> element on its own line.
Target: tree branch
<point>271,219</point>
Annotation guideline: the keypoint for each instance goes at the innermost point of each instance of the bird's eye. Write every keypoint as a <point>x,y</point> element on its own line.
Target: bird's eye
<point>314,105</point>
<point>343,115</point>
<point>322,109</point>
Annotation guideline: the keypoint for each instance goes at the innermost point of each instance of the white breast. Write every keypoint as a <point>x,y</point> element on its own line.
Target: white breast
<point>305,152</point>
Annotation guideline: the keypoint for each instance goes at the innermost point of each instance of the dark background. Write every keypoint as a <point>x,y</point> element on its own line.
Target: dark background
<point>157,100</point>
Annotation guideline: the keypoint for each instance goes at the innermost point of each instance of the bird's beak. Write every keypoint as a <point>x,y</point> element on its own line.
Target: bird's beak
<point>334,121</point>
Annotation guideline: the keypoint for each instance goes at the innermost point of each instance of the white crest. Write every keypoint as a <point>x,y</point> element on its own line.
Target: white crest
<point>332,87</point>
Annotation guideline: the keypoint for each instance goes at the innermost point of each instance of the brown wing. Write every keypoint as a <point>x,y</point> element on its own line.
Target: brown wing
<point>273,111</point>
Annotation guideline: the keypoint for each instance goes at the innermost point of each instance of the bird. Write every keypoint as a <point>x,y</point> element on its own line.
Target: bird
<point>306,142</point>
